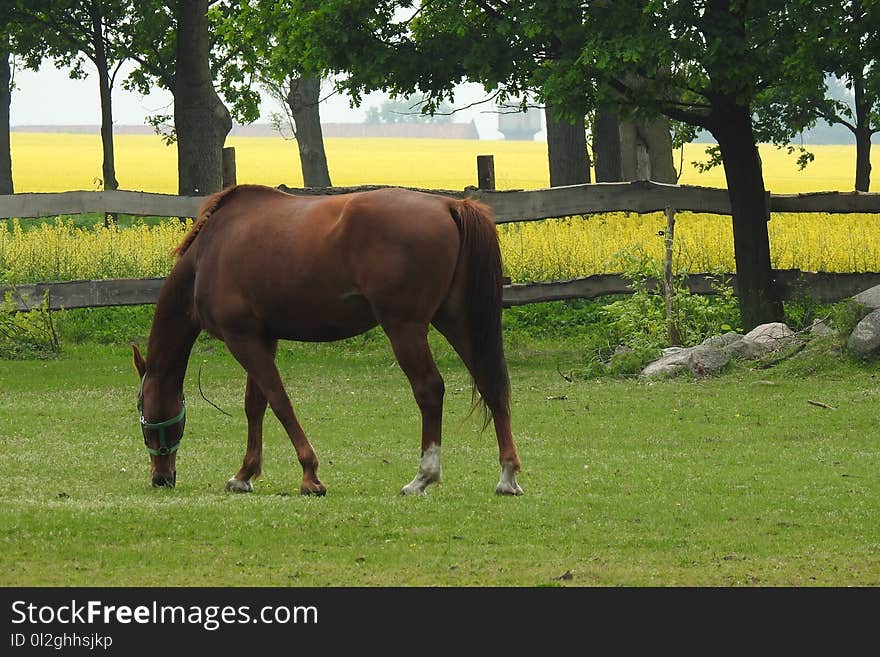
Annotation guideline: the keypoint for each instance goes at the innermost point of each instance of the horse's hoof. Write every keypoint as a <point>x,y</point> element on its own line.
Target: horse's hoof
<point>319,489</point>
<point>506,488</point>
<point>238,486</point>
<point>409,489</point>
<point>507,484</point>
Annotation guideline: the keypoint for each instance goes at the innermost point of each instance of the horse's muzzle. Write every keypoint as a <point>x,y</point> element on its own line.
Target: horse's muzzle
<point>161,479</point>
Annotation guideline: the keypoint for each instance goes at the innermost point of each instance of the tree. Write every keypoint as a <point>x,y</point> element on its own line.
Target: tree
<point>299,97</point>
<point>430,49</point>
<point>261,32</point>
<point>172,45</point>
<point>73,31</point>
<point>846,45</point>
<point>200,117</point>
<point>6,186</point>
<point>566,148</point>
<point>708,65</point>
<point>18,43</point>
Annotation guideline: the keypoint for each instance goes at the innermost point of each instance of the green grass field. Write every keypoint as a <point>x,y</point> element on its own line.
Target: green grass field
<point>730,481</point>
<point>733,481</point>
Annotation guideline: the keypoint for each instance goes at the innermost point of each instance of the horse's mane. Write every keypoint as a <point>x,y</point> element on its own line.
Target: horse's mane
<point>209,206</point>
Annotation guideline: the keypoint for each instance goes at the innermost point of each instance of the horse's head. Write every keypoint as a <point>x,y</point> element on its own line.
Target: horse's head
<point>162,423</point>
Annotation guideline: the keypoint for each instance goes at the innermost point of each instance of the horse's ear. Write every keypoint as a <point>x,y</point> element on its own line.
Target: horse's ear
<point>139,363</point>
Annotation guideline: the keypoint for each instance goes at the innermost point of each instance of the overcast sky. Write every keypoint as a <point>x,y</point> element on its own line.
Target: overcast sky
<point>50,97</point>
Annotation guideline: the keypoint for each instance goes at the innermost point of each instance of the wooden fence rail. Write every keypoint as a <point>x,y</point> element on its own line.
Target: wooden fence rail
<point>791,283</point>
<point>517,205</point>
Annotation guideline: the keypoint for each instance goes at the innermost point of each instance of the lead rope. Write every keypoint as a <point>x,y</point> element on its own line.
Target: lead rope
<point>208,400</point>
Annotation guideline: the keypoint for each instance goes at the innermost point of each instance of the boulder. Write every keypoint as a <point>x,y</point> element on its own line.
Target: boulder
<point>701,360</point>
<point>774,335</point>
<point>669,363</point>
<point>704,360</point>
<point>762,340</point>
<point>870,298</point>
<point>748,349</point>
<point>820,329</point>
<point>865,338</point>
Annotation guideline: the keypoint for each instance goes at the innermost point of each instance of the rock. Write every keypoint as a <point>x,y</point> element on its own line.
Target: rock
<point>720,341</point>
<point>870,298</point>
<point>705,360</point>
<point>701,360</point>
<point>774,335</point>
<point>820,329</point>
<point>762,340</point>
<point>865,338</point>
<point>669,364</point>
<point>748,349</point>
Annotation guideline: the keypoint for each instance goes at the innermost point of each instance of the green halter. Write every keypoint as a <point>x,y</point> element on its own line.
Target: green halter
<point>164,449</point>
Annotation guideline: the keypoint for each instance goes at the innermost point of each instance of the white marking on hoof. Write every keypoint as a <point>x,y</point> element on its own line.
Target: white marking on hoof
<point>238,486</point>
<point>429,472</point>
<point>507,485</point>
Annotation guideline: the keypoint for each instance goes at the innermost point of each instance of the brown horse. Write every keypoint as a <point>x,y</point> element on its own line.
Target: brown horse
<point>261,265</point>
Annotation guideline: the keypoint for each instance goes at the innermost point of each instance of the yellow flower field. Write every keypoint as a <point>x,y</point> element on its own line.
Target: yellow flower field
<point>547,250</point>
<point>62,162</point>
<point>56,163</point>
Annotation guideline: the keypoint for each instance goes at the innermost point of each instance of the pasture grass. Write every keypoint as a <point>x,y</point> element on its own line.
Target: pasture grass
<point>730,481</point>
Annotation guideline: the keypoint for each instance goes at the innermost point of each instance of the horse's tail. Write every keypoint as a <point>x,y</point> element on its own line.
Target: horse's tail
<point>481,255</point>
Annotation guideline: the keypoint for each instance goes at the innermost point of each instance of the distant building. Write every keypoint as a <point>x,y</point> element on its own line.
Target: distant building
<point>414,130</point>
<point>519,126</point>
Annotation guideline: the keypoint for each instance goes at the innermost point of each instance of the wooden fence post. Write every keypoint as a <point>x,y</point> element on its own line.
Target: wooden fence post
<point>485,172</point>
<point>229,167</point>
<point>668,291</point>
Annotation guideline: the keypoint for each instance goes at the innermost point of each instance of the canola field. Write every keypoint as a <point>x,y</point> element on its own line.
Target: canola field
<point>61,162</point>
<point>548,250</point>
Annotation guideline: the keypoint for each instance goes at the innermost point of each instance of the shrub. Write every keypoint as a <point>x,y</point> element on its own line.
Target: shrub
<point>29,334</point>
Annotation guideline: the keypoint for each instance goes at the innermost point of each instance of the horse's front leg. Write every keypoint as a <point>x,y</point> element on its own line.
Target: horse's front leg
<point>254,408</point>
<point>257,356</point>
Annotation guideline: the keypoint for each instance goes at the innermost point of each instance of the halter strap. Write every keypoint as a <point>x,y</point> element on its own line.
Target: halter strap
<point>164,449</point>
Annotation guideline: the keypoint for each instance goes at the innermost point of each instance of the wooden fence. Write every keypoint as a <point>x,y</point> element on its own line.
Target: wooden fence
<point>640,196</point>
<point>509,206</point>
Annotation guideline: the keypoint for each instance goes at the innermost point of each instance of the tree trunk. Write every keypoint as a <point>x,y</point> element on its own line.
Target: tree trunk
<point>302,98</point>
<point>863,135</point>
<point>646,151</point>
<point>606,145</point>
<point>635,162</point>
<point>201,120</point>
<point>758,300</point>
<point>108,168</point>
<point>656,135</point>
<point>863,160</point>
<point>6,186</point>
<point>567,151</point>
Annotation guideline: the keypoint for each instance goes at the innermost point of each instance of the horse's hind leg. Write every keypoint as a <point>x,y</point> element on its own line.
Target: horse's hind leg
<point>258,358</point>
<point>455,331</point>
<point>254,408</point>
<point>410,343</point>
